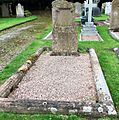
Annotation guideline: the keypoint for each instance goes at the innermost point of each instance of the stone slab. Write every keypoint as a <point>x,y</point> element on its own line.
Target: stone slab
<point>114,35</point>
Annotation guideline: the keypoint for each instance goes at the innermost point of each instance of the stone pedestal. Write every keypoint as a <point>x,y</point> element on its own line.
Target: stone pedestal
<point>65,41</point>
<point>114,21</point>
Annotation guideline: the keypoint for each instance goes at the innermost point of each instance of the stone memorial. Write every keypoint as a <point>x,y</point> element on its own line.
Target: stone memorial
<point>5,10</point>
<point>77,8</point>
<point>96,11</point>
<point>89,29</point>
<point>108,8</point>
<point>19,10</point>
<point>114,19</point>
<point>65,40</point>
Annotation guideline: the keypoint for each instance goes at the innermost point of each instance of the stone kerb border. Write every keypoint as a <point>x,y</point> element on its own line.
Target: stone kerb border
<point>103,107</point>
<point>113,35</point>
<point>14,80</point>
<point>100,39</point>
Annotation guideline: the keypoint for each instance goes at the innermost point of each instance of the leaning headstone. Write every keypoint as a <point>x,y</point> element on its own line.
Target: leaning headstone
<point>114,20</point>
<point>5,11</point>
<point>77,8</point>
<point>96,11</point>
<point>20,10</point>
<point>108,8</point>
<point>65,40</point>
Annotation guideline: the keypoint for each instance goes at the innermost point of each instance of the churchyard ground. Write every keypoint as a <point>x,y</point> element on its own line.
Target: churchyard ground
<point>108,60</point>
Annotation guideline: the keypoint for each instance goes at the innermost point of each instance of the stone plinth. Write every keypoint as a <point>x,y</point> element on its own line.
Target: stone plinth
<point>65,40</point>
<point>114,21</point>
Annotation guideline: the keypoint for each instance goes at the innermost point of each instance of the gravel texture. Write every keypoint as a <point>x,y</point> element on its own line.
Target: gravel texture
<point>58,78</point>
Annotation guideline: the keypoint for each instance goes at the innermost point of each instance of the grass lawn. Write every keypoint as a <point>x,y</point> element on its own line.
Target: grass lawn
<point>99,18</point>
<point>108,60</point>
<point>10,22</point>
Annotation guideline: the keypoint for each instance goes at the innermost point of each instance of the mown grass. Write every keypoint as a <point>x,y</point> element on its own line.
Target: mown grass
<point>103,17</point>
<point>107,58</point>
<point>6,23</point>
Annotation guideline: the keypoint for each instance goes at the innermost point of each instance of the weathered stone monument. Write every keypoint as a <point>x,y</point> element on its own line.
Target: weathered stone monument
<point>5,10</point>
<point>114,20</point>
<point>65,40</point>
<point>19,10</point>
<point>77,8</point>
<point>108,8</point>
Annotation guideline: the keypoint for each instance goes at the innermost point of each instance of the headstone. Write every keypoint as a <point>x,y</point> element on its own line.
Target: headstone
<point>5,11</point>
<point>108,8</point>
<point>20,10</point>
<point>77,8</point>
<point>89,29</point>
<point>114,19</point>
<point>96,11</point>
<point>65,40</point>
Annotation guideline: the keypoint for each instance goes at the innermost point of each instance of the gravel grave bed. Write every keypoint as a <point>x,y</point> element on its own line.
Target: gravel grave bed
<point>90,38</point>
<point>58,78</point>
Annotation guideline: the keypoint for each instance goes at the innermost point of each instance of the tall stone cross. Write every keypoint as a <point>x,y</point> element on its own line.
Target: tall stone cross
<point>90,6</point>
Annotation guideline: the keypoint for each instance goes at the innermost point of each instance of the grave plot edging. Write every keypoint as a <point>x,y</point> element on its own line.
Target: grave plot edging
<point>14,80</point>
<point>103,92</point>
<point>113,35</point>
<point>103,107</point>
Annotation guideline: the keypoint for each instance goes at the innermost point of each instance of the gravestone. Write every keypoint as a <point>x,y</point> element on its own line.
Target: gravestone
<point>5,11</point>
<point>108,8</point>
<point>19,10</point>
<point>89,29</point>
<point>114,19</point>
<point>65,40</point>
<point>77,8</point>
<point>96,11</point>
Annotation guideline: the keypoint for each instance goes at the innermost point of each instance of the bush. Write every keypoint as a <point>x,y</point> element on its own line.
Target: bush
<point>27,13</point>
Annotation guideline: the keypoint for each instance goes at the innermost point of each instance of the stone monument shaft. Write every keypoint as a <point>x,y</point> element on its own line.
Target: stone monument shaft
<point>65,40</point>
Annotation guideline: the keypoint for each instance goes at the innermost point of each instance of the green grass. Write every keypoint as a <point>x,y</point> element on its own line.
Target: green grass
<point>99,18</point>
<point>108,61</point>
<point>6,23</point>
<point>103,17</point>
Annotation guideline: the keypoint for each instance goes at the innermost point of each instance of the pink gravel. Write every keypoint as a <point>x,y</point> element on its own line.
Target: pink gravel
<point>58,78</point>
<point>90,38</point>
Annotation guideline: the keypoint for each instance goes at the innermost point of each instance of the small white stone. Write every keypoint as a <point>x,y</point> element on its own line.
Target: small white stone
<point>87,109</point>
<point>73,111</point>
<point>115,49</point>
<point>100,109</point>
<point>53,110</point>
<point>111,110</point>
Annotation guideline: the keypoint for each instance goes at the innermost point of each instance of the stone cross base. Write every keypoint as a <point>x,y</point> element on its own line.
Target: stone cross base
<point>65,41</point>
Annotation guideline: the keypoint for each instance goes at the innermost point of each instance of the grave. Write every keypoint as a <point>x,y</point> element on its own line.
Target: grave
<point>108,8</point>
<point>89,32</point>
<point>96,11</point>
<point>77,9</point>
<point>58,81</point>
<point>5,11</point>
<point>19,10</point>
<point>114,20</point>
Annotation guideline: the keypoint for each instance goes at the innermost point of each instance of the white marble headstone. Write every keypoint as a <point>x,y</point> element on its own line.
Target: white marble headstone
<point>108,8</point>
<point>19,10</point>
